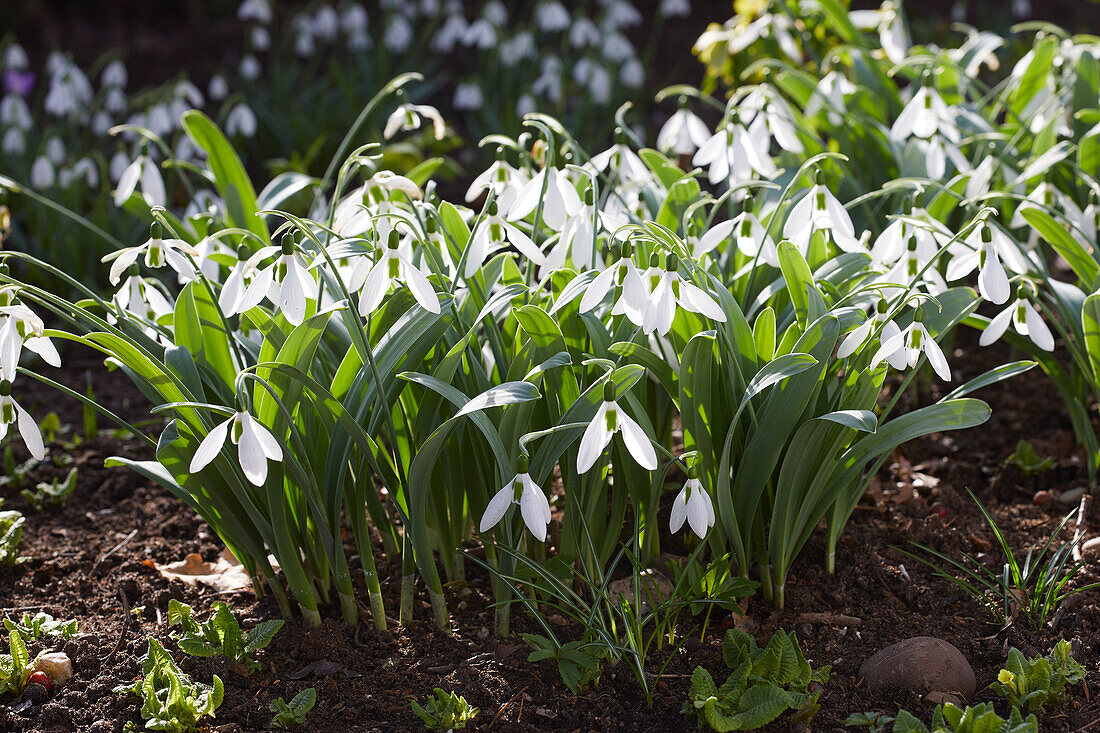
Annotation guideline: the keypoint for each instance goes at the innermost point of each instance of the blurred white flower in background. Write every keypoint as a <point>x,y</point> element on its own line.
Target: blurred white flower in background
<point>241,120</point>
<point>257,10</point>
<point>42,173</point>
<point>552,17</point>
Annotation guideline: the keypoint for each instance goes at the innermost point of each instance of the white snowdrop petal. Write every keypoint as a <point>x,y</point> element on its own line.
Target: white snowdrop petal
<point>496,508</point>
<point>637,442</point>
<point>29,431</point>
<point>210,446</point>
<point>996,327</point>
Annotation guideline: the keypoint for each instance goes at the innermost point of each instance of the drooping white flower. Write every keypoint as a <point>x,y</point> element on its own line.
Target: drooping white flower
<point>493,234</point>
<point>503,180</point>
<point>674,8</point>
<point>623,278</point>
<point>551,17</point>
<point>749,235</point>
<point>410,117</point>
<point>683,133</point>
<point>890,24</point>
<point>114,75</point>
<point>12,412</point>
<point>694,505</point>
<point>913,268</point>
<point>14,112</point>
<point>733,153</point>
<point>911,343</point>
<point>42,173</point>
<point>608,420</point>
<point>390,269</point>
<point>1024,318</point>
<point>158,253</point>
<point>241,120</point>
<point>533,504</point>
<point>621,161</point>
<point>255,445</point>
<point>21,328</point>
<point>666,291</point>
<point>860,335</point>
<point>765,101</point>
<point>831,95</point>
<point>142,298</point>
<point>559,200</point>
<point>257,10</point>
<point>981,252</point>
<point>819,210</point>
<point>145,171</point>
<point>286,282</point>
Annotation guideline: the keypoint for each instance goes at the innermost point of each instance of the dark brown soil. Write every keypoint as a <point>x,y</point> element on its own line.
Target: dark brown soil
<point>89,560</point>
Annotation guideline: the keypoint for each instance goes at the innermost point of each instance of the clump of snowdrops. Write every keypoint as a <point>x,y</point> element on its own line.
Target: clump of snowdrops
<point>587,334</point>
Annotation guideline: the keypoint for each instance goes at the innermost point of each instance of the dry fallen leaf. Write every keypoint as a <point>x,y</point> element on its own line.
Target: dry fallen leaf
<point>225,575</point>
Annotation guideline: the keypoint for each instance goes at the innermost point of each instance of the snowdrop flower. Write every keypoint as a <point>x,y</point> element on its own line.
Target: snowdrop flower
<point>674,8</point>
<point>549,82</point>
<point>1024,318</point>
<point>517,48</point>
<point>55,150</point>
<point>259,38</point>
<point>142,298</point>
<point>241,120</point>
<point>1047,196</point>
<point>981,253</point>
<point>584,33</point>
<point>620,161</point>
<point>286,282</point>
<point>559,201</point>
<point>552,17</point>
<point>910,343</point>
<point>525,105</point>
<point>632,74</point>
<point>493,233</point>
<point>859,336</point>
<point>398,34</point>
<point>621,14</point>
<point>449,34</point>
<point>831,94</point>
<point>326,23</point>
<point>927,117</point>
<point>495,13</point>
<point>16,58</point>
<point>87,169</point>
<point>410,116</point>
<point>468,96</point>
<point>481,34</point>
<point>257,10</point>
<point>14,143</point>
<point>617,48</point>
<point>390,269</point>
<point>913,267</point>
<point>890,24</point>
<point>623,278</point>
<point>114,75</point>
<point>741,31</point>
<point>70,92</point>
<point>733,153</point>
<point>892,244</point>
<point>502,179</point>
<point>749,235</point>
<point>683,132</point>
<point>522,490</point>
<point>158,253</point>
<point>15,112</point>
<point>694,505</point>
<point>255,445</point>
<point>143,169</point>
<point>819,210</point>
<point>249,68</point>
<point>101,123</point>
<point>12,412</point>
<point>763,101</point>
<point>22,328</point>
<point>608,420</point>
<point>42,173</point>
<point>667,291</point>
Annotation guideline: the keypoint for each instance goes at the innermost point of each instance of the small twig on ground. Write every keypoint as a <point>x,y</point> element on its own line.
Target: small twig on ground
<point>111,551</point>
<point>1079,527</point>
<point>125,624</point>
<point>829,618</point>
<point>1087,726</point>
<point>505,705</point>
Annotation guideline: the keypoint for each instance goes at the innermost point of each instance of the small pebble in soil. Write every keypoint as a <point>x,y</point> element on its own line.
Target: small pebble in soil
<point>938,509</point>
<point>1042,498</point>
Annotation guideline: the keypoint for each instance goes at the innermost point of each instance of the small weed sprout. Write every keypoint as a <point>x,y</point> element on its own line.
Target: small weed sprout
<point>52,494</point>
<point>293,712</point>
<point>445,711</point>
<point>171,701</point>
<point>1038,682</point>
<point>220,635</point>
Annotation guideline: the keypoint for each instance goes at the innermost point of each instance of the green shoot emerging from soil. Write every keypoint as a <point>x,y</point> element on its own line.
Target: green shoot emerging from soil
<point>293,712</point>
<point>220,635</point>
<point>445,711</point>
<point>42,624</point>
<point>977,719</point>
<point>170,700</point>
<point>51,494</point>
<point>14,667</point>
